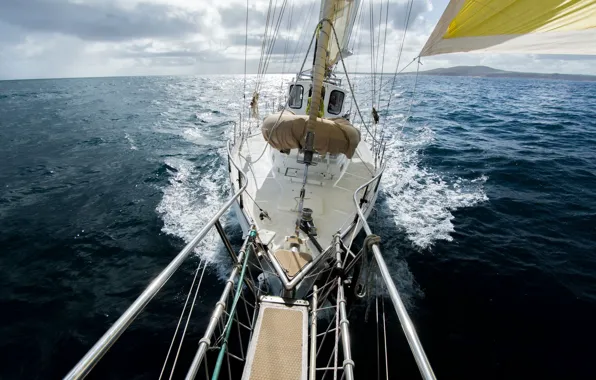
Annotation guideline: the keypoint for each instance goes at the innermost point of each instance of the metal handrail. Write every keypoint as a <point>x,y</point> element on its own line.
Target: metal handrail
<point>348,363</point>
<point>86,364</point>
<point>406,323</point>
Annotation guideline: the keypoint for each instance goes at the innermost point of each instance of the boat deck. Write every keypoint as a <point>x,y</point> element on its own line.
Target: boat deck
<point>278,349</point>
<point>278,194</point>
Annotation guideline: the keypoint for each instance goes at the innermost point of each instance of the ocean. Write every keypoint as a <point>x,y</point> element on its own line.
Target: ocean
<point>487,213</point>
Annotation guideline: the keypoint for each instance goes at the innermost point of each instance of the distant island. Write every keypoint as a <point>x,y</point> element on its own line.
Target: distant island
<point>489,72</point>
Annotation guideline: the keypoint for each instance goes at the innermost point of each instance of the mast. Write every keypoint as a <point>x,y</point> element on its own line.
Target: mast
<point>320,63</point>
<point>318,75</point>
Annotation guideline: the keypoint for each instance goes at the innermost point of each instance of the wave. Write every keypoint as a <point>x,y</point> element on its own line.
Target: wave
<point>131,142</point>
<point>191,198</point>
<point>422,200</point>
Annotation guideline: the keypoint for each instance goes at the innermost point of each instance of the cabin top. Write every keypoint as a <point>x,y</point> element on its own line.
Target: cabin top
<point>300,92</point>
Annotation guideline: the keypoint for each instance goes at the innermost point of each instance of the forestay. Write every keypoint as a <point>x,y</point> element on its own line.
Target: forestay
<point>517,26</point>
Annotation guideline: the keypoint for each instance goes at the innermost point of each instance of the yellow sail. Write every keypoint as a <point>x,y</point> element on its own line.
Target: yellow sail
<point>343,18</point>
<point>516,26</point>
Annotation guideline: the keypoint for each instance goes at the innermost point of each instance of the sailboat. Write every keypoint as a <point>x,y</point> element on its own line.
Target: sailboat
<point>303,184</point>
<point>303,168</point>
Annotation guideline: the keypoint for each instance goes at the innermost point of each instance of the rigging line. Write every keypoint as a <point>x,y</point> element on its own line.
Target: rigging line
<point>377,333</point>
<point>268,24</point>
<point>302,32</point>
<point>350,83</point>
<point>401,48</point>
<point>286,106</point>
<point>384,47</point>
<point>180,320</point>
<point>267,43</point>
<point>245,59</point>
<point>406,66</point>
<point>320,272</point>
<point>276,32</point>
<point>332,353</point>
<point>273,39</point>
<point>227,328</point>
<point>372,49</point>
<point>273,33</point>
<point>264,39</point>
<point>337,314</point>
<point>372,268</point>
<point>356,45</point>
<point>283,68</point>
<point>247,193</point>
<point>188,320</point>
<point>385,340</point>
<point>354,233</point>
<point>320,345</point>
<point>411,100</point>
<point>328,292</point>
<point>380,78</point>
<point>326,284</point>
<point>194,300</point>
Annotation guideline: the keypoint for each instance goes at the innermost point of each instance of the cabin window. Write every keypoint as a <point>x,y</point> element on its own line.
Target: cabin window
<point>296,94</point>
<point>336,101</point>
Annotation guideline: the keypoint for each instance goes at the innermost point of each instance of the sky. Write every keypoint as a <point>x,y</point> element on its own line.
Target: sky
<point>88,38</point>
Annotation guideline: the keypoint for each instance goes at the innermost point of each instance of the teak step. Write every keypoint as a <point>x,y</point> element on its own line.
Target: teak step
<point>292,262</point>
<point>278,349</point>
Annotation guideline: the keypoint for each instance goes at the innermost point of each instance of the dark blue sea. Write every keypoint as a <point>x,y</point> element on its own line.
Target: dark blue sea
<point>487,213</point>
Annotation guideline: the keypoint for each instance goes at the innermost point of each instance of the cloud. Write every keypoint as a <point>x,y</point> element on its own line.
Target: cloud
<point>50,38</point>
<point>105,21</point>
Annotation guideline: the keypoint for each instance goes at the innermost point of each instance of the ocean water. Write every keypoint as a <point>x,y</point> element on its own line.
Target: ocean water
<point>487,213</point>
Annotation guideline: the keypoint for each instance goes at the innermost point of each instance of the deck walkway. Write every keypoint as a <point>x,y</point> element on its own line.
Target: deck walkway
<point>279,347</point>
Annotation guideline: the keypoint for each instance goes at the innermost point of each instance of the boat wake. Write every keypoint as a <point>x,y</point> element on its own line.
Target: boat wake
<point>421,200</point>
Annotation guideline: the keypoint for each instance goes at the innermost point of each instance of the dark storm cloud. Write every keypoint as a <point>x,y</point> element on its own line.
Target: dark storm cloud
<point>100,22</point>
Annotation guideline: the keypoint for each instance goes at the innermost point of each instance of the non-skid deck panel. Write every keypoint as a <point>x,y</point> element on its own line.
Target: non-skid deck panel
<point>278,349</point>
<point>292,262</point>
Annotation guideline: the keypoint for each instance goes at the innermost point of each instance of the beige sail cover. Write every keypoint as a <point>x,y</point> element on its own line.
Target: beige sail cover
<point>331,135</point>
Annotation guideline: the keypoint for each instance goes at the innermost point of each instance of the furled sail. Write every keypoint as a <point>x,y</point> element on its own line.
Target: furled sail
<point>344,17</point>
<point>516,26</point>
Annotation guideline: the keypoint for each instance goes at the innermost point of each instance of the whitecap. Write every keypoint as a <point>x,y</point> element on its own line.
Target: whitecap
<point>421,199</point>
<point>189,201</point>
<point>131,142</point>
